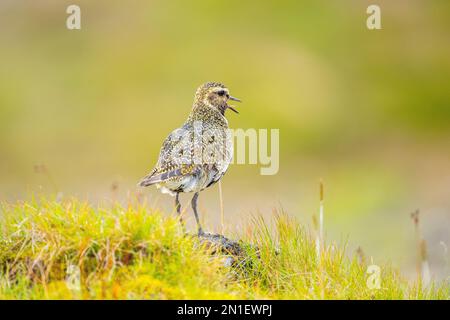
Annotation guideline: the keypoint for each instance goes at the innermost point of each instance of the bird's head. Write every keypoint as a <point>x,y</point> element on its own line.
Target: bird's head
<point>215,95</point>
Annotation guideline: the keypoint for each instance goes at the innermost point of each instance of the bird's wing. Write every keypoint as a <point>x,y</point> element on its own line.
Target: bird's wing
<point>175,157</point>
<point>167,174</point>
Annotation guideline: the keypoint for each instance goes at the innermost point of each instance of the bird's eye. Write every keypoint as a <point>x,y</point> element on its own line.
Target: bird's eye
<point>221,92</point>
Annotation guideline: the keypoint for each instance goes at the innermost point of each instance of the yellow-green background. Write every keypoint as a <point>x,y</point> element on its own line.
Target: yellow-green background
<point>366,111</point>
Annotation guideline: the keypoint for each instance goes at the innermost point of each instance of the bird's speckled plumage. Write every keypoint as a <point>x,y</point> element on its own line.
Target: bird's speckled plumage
<point>196,155</point>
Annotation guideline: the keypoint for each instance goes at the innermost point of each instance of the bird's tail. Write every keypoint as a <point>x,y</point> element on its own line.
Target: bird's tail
<point>145,182</point>
<point>155,177</point>
<point>148,180</point>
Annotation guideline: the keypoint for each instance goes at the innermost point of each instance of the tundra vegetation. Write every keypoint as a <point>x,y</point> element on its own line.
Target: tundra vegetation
<point>68,249</point>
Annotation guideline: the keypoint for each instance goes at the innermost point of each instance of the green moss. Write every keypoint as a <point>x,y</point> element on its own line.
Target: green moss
<point>71,250</point>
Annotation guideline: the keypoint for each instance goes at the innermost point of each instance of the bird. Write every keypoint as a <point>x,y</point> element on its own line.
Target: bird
<point>196,155</point>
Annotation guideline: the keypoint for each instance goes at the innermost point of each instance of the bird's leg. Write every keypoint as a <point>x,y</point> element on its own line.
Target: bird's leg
<point>178,207</point>
<point>194,207</point>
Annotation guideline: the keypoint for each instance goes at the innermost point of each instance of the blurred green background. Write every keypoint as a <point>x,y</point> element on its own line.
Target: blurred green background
<point>366,111</point>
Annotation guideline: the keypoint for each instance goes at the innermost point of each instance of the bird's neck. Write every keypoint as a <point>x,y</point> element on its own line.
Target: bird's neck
<point>208,114</point>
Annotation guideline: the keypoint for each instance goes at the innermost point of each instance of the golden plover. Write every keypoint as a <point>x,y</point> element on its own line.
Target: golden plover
<point>196,155</point>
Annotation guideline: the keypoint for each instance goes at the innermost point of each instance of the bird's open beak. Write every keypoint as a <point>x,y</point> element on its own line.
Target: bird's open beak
<point>232,107</point>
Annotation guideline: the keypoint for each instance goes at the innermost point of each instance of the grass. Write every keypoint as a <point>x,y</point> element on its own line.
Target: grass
<point>71,250</point>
